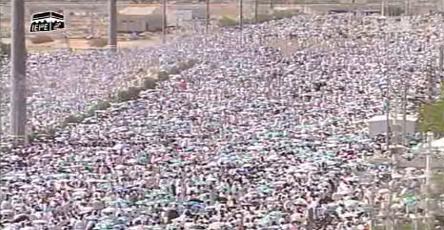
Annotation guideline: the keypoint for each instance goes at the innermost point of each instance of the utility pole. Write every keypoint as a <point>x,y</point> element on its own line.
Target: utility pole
<point>1,79</point>
<point>404,114</point>
<point>372,204</point>
<point>383,7</point>
<point>431,85</point>
<point>271,5</point>
<point>91,23</point>
<point>415,220</point>
<point>256,6</point>
<point>407,8</point>
<point>18,71</point>
<point>428,172</point>
<point>441,62</point>
<point>304,6</point>
<point>390,222</point>
<point>387,110</point>
<point>1,104</point>
<point>112,26</point>
<point>164,21</point>
<point>208,16</point>
<point>241,21</point>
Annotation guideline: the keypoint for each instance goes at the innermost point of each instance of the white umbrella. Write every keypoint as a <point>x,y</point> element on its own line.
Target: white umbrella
<point>108,210</point>
<point>273,158</point>
<point>212,164</point>
<point>300,201</point>
<point>120,167</point>
<point>215,226</point>
<point>349,215</point>
<point>255,147</point>
<point>28,228</point>
<point>397,206</point>
<point>84,210</point>
<point>39,222</point>
<point>118,147</point>
<point>6,212</point>
<point>350,203</point>
<point>132,161</point>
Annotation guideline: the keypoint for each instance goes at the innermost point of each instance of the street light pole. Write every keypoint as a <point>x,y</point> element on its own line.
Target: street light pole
<point>428,175</point>
<point>241,21</point>
<point>404,114</point>
<point>112,27</point>
<point>382,7</point>
<point>164,21</point>
<point>388,113</point>
<point>18,71</point>
<point>256,6</point>
<point>208,16</point>
<point>441,60</point>
<point>1,78</point>
<point>407,7</point>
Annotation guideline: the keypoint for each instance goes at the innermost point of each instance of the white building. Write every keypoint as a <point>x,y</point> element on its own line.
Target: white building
<point>139,19</point>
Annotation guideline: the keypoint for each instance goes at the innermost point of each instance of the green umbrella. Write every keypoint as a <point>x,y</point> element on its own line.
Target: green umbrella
<point>163,201</point>
<point>265,189</point>
<point>141,202</point>
<point>410,200</point>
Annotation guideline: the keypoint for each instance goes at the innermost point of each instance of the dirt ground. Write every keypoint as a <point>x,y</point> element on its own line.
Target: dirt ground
<point>80,27</point>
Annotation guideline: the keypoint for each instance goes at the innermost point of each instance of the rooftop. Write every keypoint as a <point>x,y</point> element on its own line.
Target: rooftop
<point>132,10</point>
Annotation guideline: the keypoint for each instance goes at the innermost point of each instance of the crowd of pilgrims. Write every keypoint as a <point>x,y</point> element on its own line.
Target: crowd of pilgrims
<point>251,137</point>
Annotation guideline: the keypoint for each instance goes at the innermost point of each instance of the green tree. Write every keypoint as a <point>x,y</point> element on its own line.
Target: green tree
<point>149,83</point>
<point>131,93</point>
<point>432,117</point>
<point>228,22</point>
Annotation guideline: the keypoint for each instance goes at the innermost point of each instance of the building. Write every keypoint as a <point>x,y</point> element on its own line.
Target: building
<point>139,19</point>
<point>193,11</point>
<point>378,124</point>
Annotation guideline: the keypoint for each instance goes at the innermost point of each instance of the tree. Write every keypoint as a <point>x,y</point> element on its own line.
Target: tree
<point>431,117</point>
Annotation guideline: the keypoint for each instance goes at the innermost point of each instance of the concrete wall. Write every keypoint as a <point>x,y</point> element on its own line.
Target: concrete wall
<point>380,127</point>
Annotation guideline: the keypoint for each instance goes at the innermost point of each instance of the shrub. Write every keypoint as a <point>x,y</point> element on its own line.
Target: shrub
<point>227,22</point>
<point>140,70</point>
<point>394,11</point>
<point>5,49</point>
<point>174,70</point>
<point>101,105</point>
<point>163,76</point>
<point>73,119</point>
<point>149,83</point>
<point>182,66</point>
<point>31,137</point>
<point>131,93</point>
<point>48,132</point>
<point>261,18</point>
<point>41,39</point>
<point>264,18</point>
<point>98,42</point>
<point>281,14</point>
<point>437,185</point>
<point>51,132</point>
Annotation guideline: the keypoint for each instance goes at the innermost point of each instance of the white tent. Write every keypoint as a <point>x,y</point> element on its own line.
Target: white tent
<point>378,124</point>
